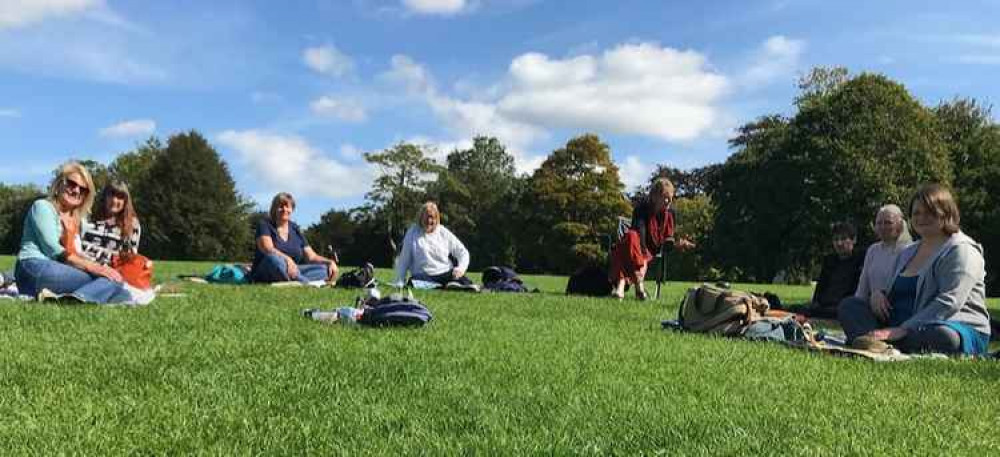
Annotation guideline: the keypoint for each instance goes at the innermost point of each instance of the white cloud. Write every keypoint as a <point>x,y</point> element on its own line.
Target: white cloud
<point>638,88</point>
<point>291,164</point>
<point>345,110</point>
<point>20,13</point>
<point>350,151</point>
<point>466,119</point>
<point>126,129</point>
<point>101,46</point>
<point>440,7</point>
<point>978,59</point>
<point>9,112</point>
<point>410,74</point>
<point>328,60</point>
<point>633,172</point>
<point>778,57</point>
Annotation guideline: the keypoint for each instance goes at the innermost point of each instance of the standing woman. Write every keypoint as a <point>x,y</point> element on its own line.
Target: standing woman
<point>49,256</point>
<point>652,226</point>
<point>935,300</point>
<point>428,249</point>
<point>283,254</point>
<point>113,229</point>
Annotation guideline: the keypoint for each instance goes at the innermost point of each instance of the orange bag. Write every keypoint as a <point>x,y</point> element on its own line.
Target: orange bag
<point>137,270</point>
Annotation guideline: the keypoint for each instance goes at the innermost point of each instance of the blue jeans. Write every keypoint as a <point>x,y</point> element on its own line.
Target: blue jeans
<point>274,269</point>
<point>33,275</point>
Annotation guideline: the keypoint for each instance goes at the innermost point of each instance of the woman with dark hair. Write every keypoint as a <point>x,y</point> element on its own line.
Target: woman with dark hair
<point>283,254</point>
<point>652,227</point>
<point>113,229</point>
<point>50,254</point>
<point>935,300</point>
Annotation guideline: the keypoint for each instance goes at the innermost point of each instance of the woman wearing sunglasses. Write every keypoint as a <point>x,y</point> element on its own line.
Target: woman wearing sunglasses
<point>50,254</point>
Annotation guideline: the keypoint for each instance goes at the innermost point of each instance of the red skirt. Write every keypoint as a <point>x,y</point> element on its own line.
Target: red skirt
<point>628,261</point>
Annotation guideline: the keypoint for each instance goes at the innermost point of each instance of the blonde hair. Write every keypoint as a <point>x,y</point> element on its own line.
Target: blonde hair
<point>425,209</point>
<point>895,210</point>
<point>282,197</point>
<point>661,186</point>
<point>59,184</point>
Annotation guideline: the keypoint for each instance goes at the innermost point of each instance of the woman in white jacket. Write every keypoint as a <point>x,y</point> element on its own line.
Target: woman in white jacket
<point>430,252</point>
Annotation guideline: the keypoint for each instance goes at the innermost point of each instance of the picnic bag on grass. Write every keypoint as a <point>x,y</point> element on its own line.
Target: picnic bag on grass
<point>395,310</point>
<point>502,279</point>
<point>359,277</point>
<point>136,270</point>
<point>714,309</point>
<point>590,280</point>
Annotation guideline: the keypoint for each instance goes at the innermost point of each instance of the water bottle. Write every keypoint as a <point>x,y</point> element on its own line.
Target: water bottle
<point>348,315</point>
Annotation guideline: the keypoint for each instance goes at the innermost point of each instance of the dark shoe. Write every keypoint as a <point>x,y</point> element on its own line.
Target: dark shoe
<point>641,295</point>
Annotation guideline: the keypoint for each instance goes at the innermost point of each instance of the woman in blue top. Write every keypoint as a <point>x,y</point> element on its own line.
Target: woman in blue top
<point>283,254</point>
<point>50,256</point>
<point>935,301</point>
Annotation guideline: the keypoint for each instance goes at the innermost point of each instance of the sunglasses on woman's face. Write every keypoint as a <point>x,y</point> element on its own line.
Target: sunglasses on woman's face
<point>73,185</point>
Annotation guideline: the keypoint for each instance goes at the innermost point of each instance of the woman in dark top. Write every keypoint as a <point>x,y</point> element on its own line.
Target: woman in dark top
<point>283,254</point>
<point>652,227</point>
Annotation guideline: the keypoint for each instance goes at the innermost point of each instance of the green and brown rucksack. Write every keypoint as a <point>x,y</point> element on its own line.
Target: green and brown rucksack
<point>716,309</point>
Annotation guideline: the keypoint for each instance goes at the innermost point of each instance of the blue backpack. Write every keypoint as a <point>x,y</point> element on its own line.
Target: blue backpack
<point>502,279</point>
<point>395,310</point>
<point>227,274</point>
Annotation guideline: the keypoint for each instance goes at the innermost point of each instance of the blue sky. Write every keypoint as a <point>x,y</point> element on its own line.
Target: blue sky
<point>292,93</point>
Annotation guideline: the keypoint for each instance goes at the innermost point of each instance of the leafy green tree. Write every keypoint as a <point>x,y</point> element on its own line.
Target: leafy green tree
<point>405,172</point>
<point>14,203</point>
<point>191,209</point>
<point>133,166</point>
<point>335,231</point>
<point>576,196</point>
<point>973,142</point>
<point>865,143</point>
<point>477,195</point>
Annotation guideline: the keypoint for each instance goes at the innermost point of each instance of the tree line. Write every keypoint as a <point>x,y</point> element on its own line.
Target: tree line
<point>852,144</point>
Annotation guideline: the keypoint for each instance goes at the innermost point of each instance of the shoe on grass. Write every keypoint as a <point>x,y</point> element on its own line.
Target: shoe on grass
<point>867,343</point>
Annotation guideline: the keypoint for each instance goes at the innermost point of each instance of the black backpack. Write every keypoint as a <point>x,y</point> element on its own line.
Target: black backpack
<point>395,310</point>
<point>359,277</point>
<point>591,280</point>
<point>502,279</point>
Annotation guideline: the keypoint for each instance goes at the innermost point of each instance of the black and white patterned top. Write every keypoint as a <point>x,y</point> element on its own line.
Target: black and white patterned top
<point>102,240</point>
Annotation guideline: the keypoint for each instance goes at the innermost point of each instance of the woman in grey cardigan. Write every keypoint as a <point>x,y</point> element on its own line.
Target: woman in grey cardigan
<point>935,301</point>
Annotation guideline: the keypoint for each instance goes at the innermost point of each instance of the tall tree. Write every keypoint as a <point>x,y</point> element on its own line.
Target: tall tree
<point>476,193</point>
<point>973,142</point>
<point>405,171</point>
<point>576,195</point>
<point>133,166</point>
<point>14,203</point>
<point>191,209</point>
<point>866,143</point>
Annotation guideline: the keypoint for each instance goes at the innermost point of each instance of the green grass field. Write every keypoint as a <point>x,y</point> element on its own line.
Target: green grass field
<point>236,370</point>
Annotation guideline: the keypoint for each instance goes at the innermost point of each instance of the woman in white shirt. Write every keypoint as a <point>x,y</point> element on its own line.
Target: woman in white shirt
<point>430,252</point>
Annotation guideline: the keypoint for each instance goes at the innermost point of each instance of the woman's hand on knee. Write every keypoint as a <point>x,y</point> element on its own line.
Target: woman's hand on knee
<point>293,269</point>
<point>105,271</point>
<point>331,270</point>
<point>880,305</point>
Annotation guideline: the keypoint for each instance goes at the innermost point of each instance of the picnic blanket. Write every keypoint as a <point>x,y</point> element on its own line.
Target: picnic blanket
<point>789,331</point>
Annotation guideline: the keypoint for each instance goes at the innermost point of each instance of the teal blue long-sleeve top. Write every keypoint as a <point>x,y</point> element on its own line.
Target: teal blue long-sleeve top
<point>42,230</point>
